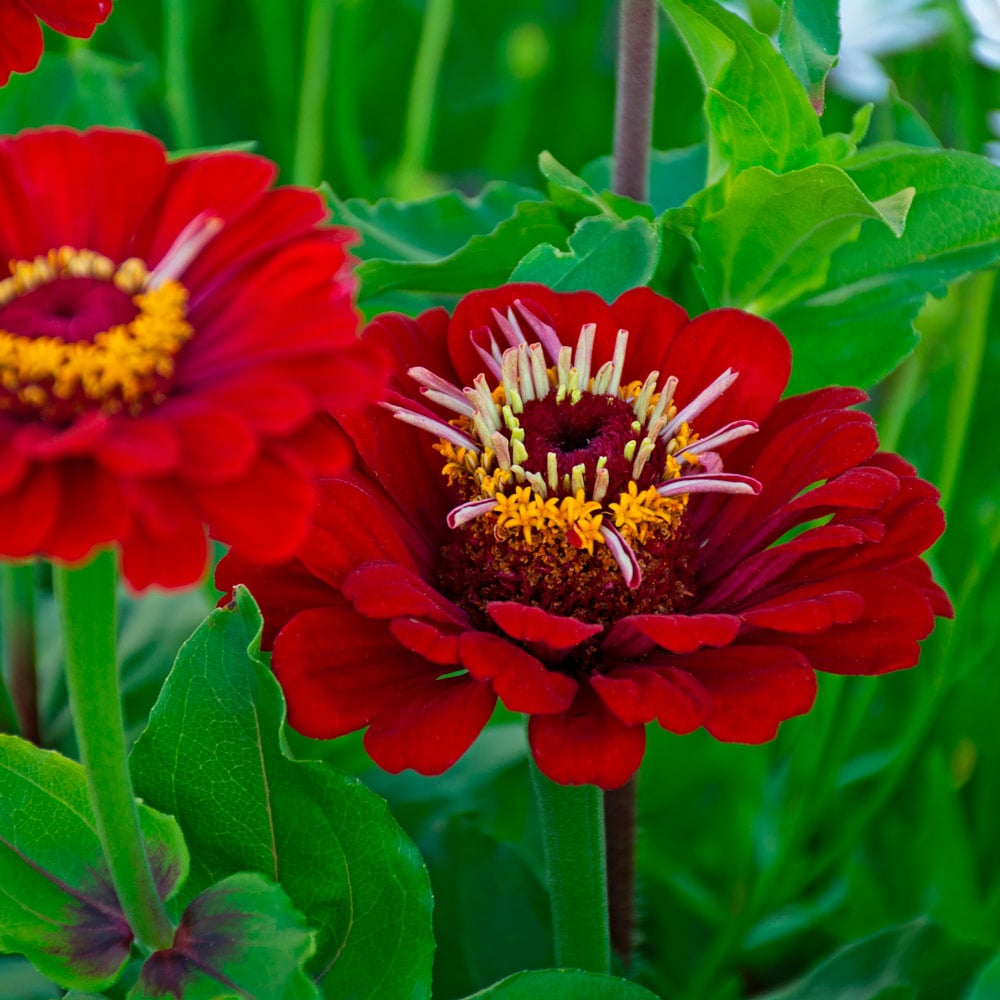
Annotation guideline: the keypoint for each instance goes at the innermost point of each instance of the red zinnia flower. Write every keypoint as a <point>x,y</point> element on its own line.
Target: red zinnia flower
<point>171,335</point>
<point>21,35</point>
<point>630,527</point>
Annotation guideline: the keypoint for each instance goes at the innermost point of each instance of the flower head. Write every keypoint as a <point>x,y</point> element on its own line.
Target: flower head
<point>171,335</point>
<point>21,35</point>
<point>604,516</point>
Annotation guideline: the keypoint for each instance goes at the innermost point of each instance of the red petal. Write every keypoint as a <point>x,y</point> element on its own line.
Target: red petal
<point>529,624</point>
<point>92,512</point>
<point>388,590</point>
<point>20,41</point>
<point>28,514</point>
<point>73,17</point>
<point>807,610</point>
<point>638,695</point>
<point>173,560</point>
<point>339,669</point>
<point>432,727</point>
<point>216,441</point>
<point>586,745</point>
<point>519,679</point>
<point>639,634</point>
<point>752,690</point>
<point>145,446</point>
<point>426,640</point>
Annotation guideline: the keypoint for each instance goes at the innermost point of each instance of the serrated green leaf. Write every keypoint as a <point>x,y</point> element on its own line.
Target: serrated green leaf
<point>758,114</point>
<point>57,905</point>
<point>809,39</point>
<point>329,842</point>
<point>240,938</point>
<point>858,325</point>
<point>563,984</point>
<point>575,196</point>
<point>483,262</point>
<point>428,229</point>
<point>771,242</point>
<point>605,255</point>
<point>917,959</point>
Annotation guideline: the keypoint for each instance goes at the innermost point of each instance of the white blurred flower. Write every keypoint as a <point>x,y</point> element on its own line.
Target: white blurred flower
<point>984,18</point>
<point>873,28</point>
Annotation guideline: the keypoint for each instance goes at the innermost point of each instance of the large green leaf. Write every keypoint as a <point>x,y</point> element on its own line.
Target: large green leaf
<point>809,38</point>
<point>214,755</point>
<point>858,325</point>
<point>563,984</point>
<point>758,113</point>
<point>771,242</point>
<point>57,905</point>
<point>240,938</point>
<point>605,255</point>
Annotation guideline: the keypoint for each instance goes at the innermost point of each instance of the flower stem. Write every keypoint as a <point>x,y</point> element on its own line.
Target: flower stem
<point>573,837</point>
<point>19,646</point>
<point>311,127</point>
<point>636,77</point>
<point>86,599</point>
<point>620,828</point>
<point>420,108</point>
<point>177,75</point>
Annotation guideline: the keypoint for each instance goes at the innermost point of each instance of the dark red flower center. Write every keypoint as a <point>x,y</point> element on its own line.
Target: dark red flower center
<point>79,333</point>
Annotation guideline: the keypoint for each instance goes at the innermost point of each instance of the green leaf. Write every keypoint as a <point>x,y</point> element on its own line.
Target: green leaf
<point>329,842</point>
<point>758,114</point>
<point>240,938</point>
<point>809,39</point>
<point>57,905</point>
<point>674,175</point>
<point>858,325</point>
<point>605,256</point>
<point>563,984</point>
<point>448,243</point>
<point>917,959</point>
<point>771,242</point>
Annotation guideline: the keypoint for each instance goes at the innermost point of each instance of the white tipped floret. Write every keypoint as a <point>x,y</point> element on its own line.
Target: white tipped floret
<point>441,391</point>
<point>491,356</point>
<point>731,432</point>
<point>641,402</point>
<point>539,373</point>
<point>525,382</point>
<point>618,362</point>
<point>546,335</point>
<point>623,555</point>
<point>663,401</point>
<point>576,478</point>
<point>642,457</point>
<point>702,401</point>
<point>466,512</point>
<point>716,482</point>
<point>602,379</point>
<point>501,450</point>
<point>439,428</point>
<point>509,327</point>
<point>585,354</point>
<point>564,365</point>
<point>190,242</point>
<point>552,470</point>
<point>536,482</point>
<point>602,480</point>
<point>481,399</point>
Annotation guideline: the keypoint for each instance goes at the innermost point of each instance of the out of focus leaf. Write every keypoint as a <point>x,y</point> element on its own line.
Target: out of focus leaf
<point>917,960</point>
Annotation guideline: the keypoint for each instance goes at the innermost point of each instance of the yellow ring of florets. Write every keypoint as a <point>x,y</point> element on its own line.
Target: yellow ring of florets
<point>122,368</point>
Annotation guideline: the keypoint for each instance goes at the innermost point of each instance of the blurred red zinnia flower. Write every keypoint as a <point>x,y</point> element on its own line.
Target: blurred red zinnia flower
<point>171,335</point>
<point>630,527</point>
<point>21,35</point>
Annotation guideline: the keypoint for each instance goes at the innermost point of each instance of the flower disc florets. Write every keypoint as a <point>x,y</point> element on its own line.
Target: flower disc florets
<point>582,479</point>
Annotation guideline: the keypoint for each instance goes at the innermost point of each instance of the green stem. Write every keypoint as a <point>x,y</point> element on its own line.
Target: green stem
<point>636,76</point>
<point>573,836</point>
<point>178,93</point>
<point>311,126</point>
<point>420,108</point>
<point>974,329</point>
<point>19,645</point>
<point>86,599</point>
